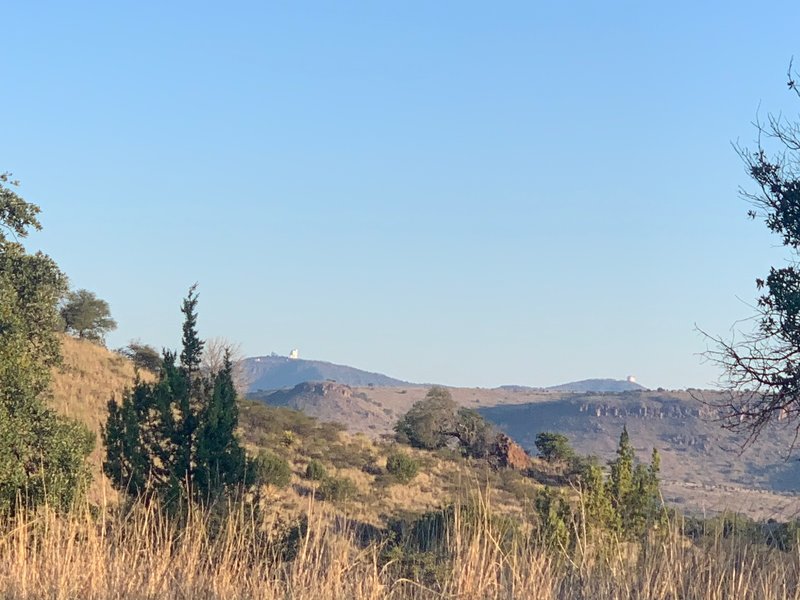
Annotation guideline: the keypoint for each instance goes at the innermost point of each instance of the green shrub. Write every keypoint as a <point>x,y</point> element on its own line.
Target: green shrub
<point>337,489</point>
<point>316,471</point>
<point>271,469</point>
<point>554,447</point>
<point>402,467</point>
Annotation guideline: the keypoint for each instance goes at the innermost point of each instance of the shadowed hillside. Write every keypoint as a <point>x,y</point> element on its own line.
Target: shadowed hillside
<point>703,465</point>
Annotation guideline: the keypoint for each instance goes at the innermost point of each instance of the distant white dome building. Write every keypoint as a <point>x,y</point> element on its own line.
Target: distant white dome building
<point>631,379</point>
<point>294,354</point>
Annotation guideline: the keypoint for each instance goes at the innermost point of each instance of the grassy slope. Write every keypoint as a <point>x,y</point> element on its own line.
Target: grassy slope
<point>91,374</point>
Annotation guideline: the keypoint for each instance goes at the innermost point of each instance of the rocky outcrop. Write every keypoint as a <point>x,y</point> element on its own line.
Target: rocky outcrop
<point>508,454</point>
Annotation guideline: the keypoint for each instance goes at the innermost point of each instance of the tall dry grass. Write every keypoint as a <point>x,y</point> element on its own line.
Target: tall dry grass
<point>139,553</point>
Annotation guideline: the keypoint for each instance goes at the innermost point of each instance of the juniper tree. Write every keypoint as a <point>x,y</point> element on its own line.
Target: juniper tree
<point>175,438</point>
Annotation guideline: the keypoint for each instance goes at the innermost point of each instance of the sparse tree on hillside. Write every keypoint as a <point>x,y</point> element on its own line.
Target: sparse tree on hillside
<point>143,356</point>
<point>762,368</point>
<point>436,420</point>
<point>87,316</point>
<point>554,447</point>
<point>430,422</point>
<point>179,431</point>
<point>42,456</point>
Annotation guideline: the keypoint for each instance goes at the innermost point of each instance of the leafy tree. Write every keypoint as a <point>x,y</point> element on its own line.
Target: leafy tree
<point>178,432</point>
<point>762,367</point>
<point>436,420</point>
<point>42,456</point>
<point>143,356</point>
<point>87,316</point>
<point>554,447</point>
<point>431,422</point>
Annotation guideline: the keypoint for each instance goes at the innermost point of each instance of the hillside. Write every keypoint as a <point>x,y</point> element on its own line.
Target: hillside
<point>703,467</point>
<point>277,372</point>
<point>82,386</point>
<point>90,374</point>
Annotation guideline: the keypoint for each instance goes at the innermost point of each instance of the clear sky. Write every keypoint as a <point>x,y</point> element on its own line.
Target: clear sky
<point>465,193</point>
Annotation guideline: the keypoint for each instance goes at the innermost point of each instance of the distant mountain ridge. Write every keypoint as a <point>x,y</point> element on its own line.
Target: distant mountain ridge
<point>597,385</point>
<point>277,372</point>
<point>583,386</point>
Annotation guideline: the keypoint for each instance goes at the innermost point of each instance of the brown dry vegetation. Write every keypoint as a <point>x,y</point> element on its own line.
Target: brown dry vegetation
<point>142,555</point>
<point>262,550</point>
<point>89,375</point>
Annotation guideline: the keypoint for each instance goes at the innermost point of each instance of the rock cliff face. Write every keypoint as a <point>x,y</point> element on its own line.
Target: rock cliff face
<point>509,454</point>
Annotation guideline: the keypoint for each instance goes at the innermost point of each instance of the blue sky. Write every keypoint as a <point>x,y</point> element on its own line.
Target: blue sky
<point>465,193</point>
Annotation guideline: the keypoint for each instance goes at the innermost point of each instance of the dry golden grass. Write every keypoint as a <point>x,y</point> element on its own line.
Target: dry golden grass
<point>82,386</point>
<point>143,555</point>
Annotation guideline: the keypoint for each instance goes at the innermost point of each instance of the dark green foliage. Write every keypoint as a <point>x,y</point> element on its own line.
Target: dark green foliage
<point>337,489</point>
<point>554,447</point>
<point>430,423</point>
<point>402,467</point>
<point>271,469</point>
<point>435,420</point>
<point>143,356</point>
<point>316,471</point>
<point>86,316</point>
<point>178,433</point>
<point>42,456</point>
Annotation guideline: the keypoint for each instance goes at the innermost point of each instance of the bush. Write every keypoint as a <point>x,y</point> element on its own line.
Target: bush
<point>316,471</point>
<point>337,489</point>
<point>402,467</point>
<point>270,469</point>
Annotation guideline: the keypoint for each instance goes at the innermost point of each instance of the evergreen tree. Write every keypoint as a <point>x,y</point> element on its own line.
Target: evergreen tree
<point>634,489</point>
<point>220,458</point>
<point>621,483</point>
<point>598,509</point>
<point>177,435</point>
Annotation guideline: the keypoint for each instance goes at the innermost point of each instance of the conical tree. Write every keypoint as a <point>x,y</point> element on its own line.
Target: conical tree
<point>175,438</point>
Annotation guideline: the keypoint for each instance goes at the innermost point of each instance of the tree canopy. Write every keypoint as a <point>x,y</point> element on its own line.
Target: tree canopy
<point>41,454</point>
<point>87,316</point>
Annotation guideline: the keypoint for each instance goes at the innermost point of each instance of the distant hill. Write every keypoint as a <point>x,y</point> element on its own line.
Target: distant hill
<point>278,372</point>
<point>597,385</point>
